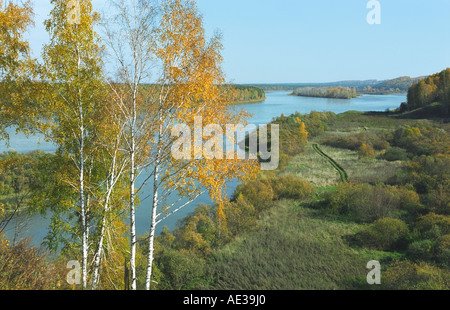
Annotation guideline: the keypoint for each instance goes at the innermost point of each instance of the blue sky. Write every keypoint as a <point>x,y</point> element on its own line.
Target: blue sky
<point>296,41</point>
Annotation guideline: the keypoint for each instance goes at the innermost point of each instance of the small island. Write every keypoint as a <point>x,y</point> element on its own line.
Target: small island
<point>244,94</point>
<point>326,92</point>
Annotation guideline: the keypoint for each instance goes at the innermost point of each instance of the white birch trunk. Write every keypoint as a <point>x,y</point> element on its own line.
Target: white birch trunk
<point>85,238</point>
<point>132,201</point>
<point>96,274</point>
<point>83,211</point>
<point>155,201</point>
<point>152,228</point>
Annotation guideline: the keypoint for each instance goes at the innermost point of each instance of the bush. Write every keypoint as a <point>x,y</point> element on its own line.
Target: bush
<point>384,234</point>
<point>367,203</point>
<point>345,142</point>
<point>421,250</point>
<point>405,275</point>
<point>408,200</point>
<point>290,187</point>
<point>179,269</point>
<point>432,226</point>
<point>395,153</point>
<point>366,151</point>
<point>354,142</point>
<point>379,142</point>
<point>438,200</point>
<point>23,267</point>
<point>257,192</point>
<point>241,216</point>
<point>443,250</point>
<point>197,232</point>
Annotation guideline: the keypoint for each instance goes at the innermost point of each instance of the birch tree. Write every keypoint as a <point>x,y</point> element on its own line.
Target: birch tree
<point>190,91</point>
<point>72,71</point>
<point>129,36</point>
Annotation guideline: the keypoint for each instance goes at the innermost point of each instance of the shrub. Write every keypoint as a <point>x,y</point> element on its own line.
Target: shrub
<point>405,275</point>
<point>443,250</point>
<point>427,173</point>
<point>345,142</point>
<point>384,234</point>
<point>438,200</point>
<point>290,187</point>
<point>367,203</point>
<point>197,232</point>
<point>379,142</point>
<point>257,192</point>
<point>433,225</point>
<point>408,200</point>
<point>395,153</point>
<point>421,250</point>
<point>366,151</point>
<point>179,269</point>
<point>240,216</point>
<point>23,267</point>
<point>339,200</point>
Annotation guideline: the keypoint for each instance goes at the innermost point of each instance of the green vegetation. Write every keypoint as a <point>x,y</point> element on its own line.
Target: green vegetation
<point>342,174</point>
<point>245,94</point>
<point>326,92</point>
<point>397,85</point>
<point>23,267</point>
<point>239,94</point>
<point>394,208</point>
<point>351,89</point>
<point>19,175</point>
<point>432,91</point>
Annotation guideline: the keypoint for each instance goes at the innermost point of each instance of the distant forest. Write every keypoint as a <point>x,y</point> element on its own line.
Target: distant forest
<point>432,92</point>
<point>239,94</point>
<point>397,85</point>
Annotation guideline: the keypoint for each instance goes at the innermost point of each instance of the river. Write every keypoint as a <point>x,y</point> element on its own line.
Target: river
<point>275,104</point>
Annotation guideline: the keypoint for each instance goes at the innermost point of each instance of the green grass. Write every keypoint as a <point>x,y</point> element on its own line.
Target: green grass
<point>342,174</point>
<point>294,248</point>
<point>355,121</point>
<point>363,170</point>
<point>318,171</point>
<point>312,167</point>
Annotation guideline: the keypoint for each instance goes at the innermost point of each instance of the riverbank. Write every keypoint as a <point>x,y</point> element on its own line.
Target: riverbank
<point>275,104</point>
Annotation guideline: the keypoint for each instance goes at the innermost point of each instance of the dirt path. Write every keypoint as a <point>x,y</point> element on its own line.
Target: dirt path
<point>343,175</point>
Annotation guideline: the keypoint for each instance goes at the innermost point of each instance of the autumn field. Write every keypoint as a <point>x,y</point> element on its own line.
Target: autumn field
<point>322,232</point>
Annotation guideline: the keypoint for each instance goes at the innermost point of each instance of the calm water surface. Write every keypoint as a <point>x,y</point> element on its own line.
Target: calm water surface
<point>275,104</point>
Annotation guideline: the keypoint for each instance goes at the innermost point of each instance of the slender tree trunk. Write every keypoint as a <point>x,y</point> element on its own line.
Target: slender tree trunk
<point>132,201</point>
<point>96,274</point>
<point>152,228</point>
<point>83,208</point>
<point>155,202</point>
